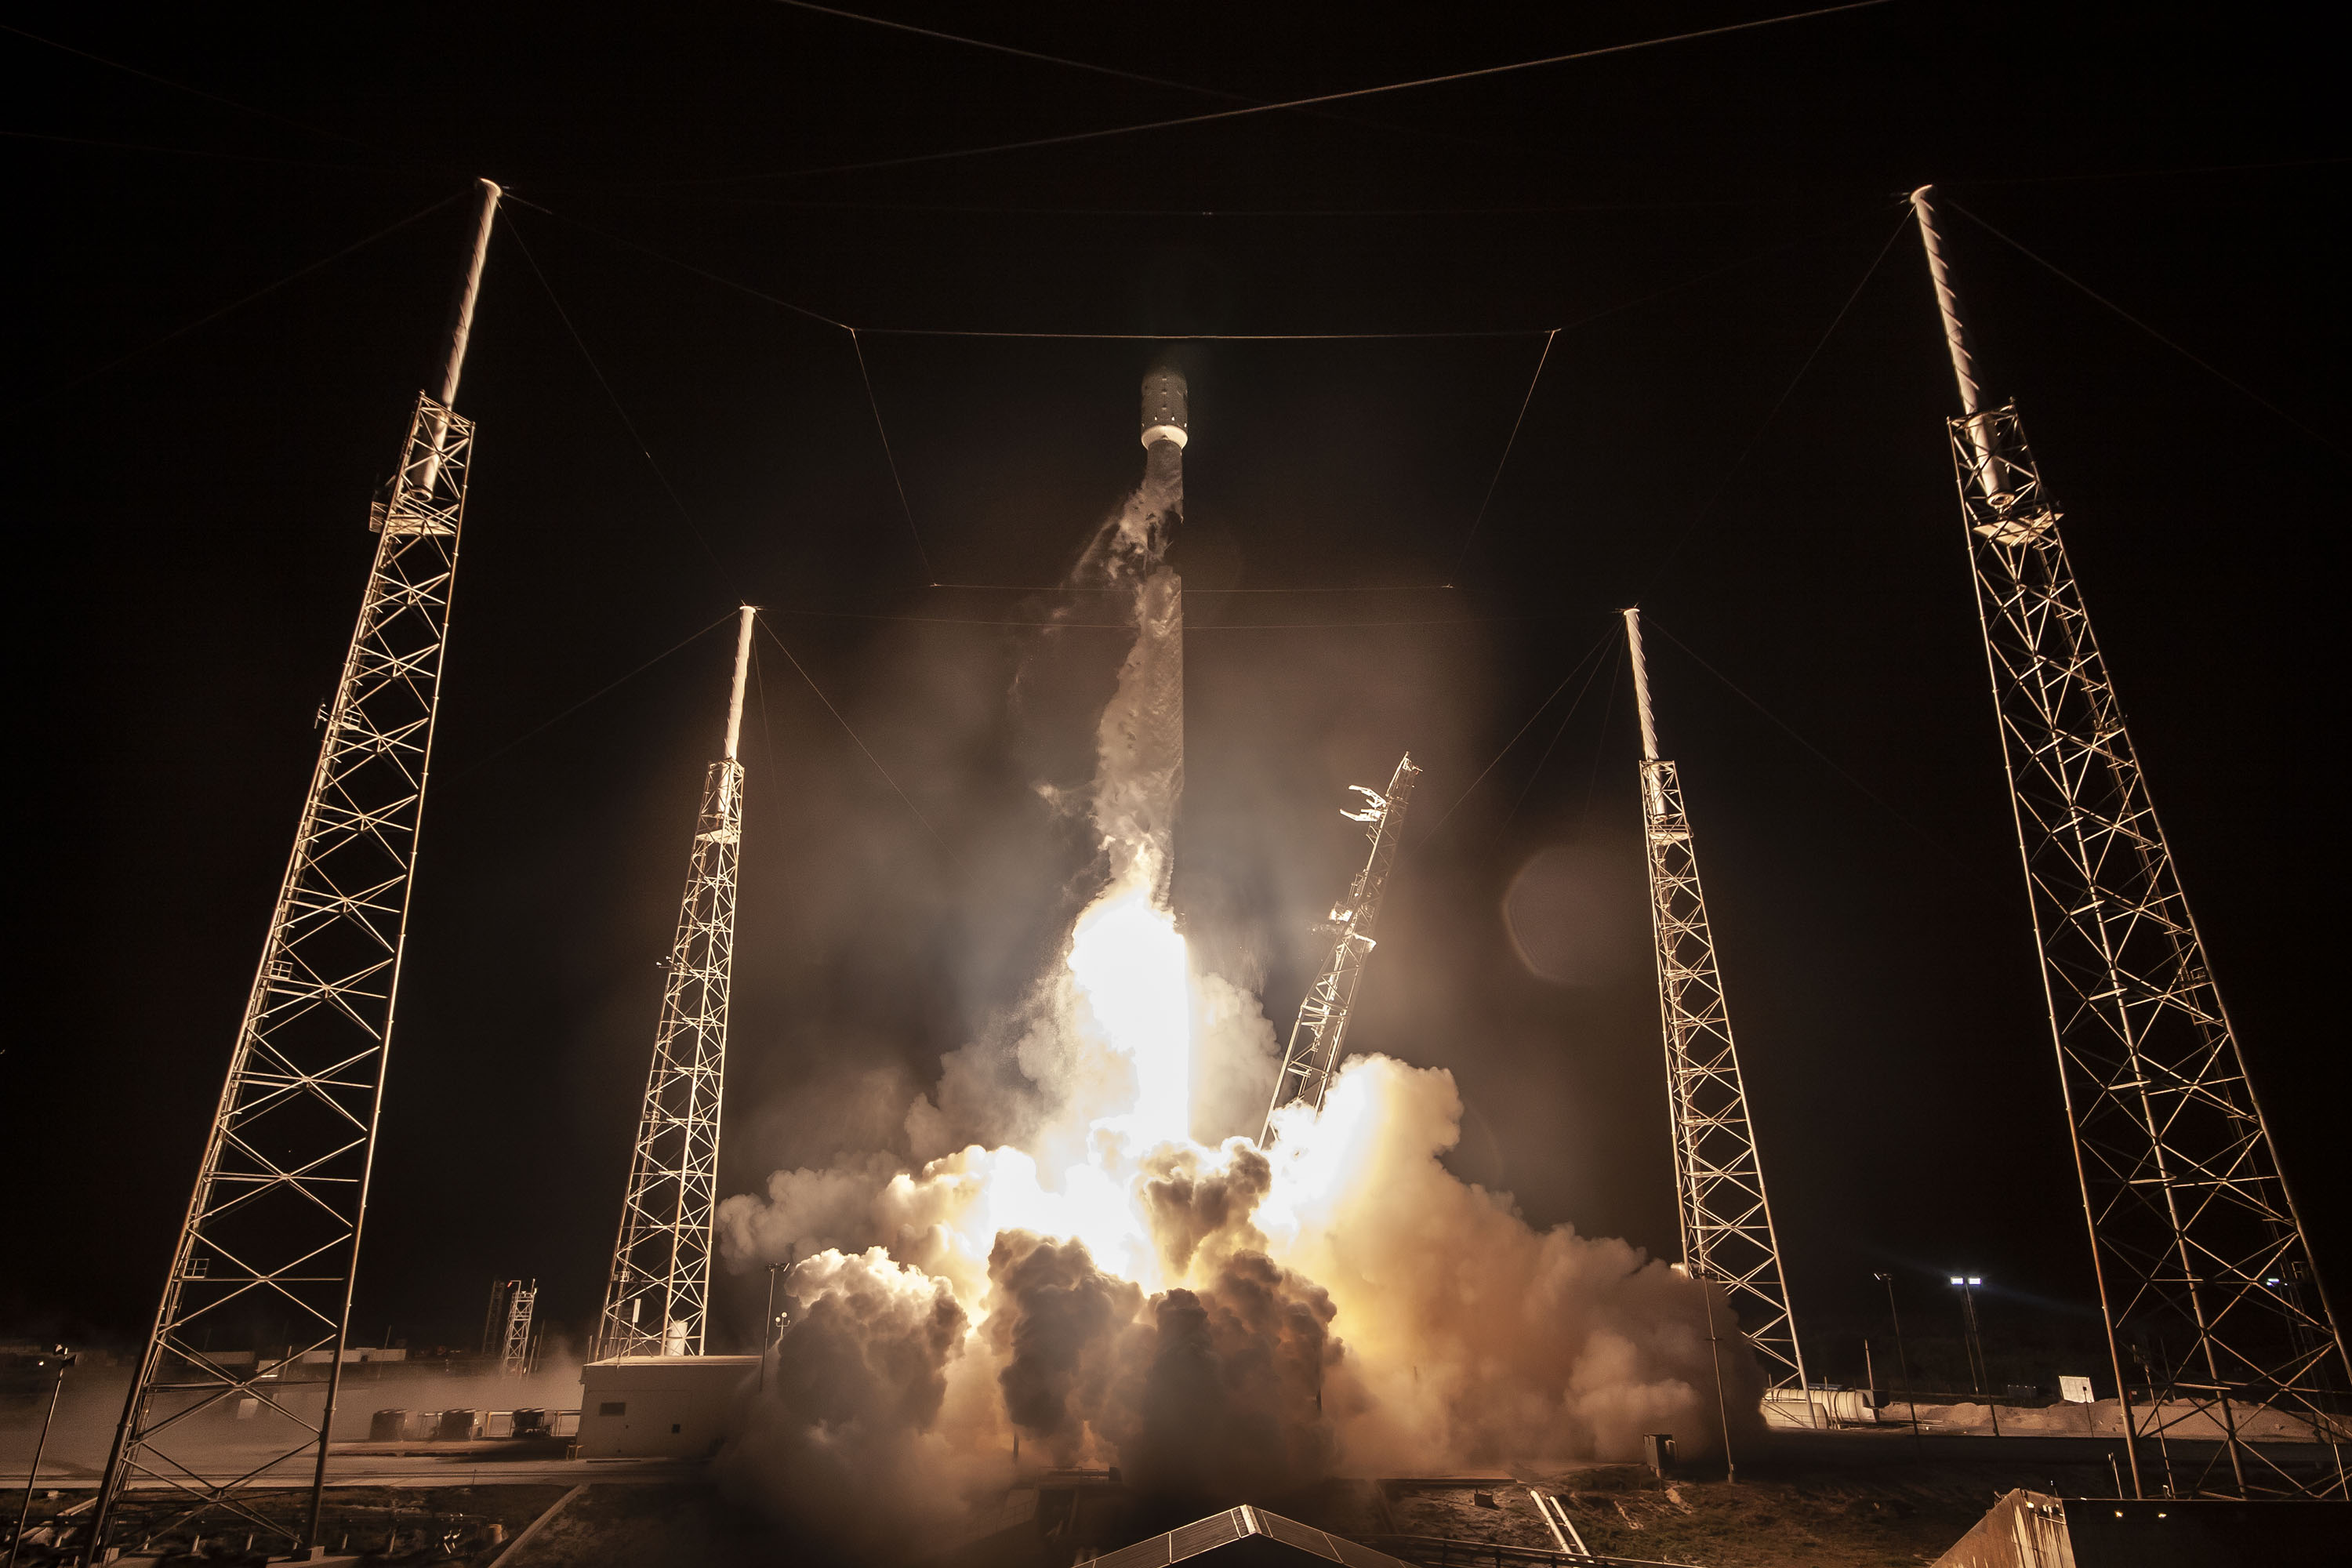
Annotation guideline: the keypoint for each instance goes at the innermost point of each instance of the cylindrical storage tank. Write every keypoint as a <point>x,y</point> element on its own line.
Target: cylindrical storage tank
<point>457,1425</point>
<point>388,1426</point>
<point>1166,413</point>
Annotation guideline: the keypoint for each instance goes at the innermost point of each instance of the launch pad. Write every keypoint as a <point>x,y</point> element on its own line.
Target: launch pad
<point>2224,1354</point>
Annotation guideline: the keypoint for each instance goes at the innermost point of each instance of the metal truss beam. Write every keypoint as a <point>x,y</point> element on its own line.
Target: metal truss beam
<point>1319,1034</point>
<point>2215,1321</point>
<point>514,1355</point>
<point>657,1301</point>
<point>1726,1220</point>
<point>271,1233</point>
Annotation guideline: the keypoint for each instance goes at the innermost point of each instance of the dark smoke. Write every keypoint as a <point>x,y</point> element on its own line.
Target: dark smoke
<point>1217,1392</point>
<point>843,1438</point>
<point>1222,1395</point>
<point>1055,1318</point>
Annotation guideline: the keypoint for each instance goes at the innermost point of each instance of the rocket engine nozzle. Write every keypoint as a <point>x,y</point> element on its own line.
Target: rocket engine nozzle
<point>1165,413</point>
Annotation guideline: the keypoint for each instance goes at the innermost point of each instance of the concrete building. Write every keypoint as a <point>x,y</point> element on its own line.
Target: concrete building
<point>658,1406</point>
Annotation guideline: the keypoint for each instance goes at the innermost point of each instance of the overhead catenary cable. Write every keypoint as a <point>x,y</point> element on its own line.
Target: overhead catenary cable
<point>1976,873</point>
<point>1015,209</point>
<point>189,152</point>
<point>1129,626</point>
<point>606,382</point>
<point>868,330</point>
<point>1598,645</point>
<point>704,272</point>
<point>604,690</point>
<point>863,747</point>
<point>1691,529</point>
<point>2184,172</point>
<point>2207,366</point>
<point>1190,590</point>
<point>922,556</point>
<point>1017,53</point>
<point>1207,337</point>
<point>1559,730</point>
<point>192,91</point>
<point>1504,461</point>
<point>241,301</point>
<point>1345,95</point>
<point>1114,71</point>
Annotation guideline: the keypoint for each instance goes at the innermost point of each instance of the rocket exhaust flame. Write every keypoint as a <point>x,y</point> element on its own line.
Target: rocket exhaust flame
<point>1216,1320</point>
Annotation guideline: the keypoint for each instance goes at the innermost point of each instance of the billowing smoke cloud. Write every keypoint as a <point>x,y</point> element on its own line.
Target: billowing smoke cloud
<point>1480,1340</point>
<point>1224,1391</point>
<point>1202,1393</point>
<point>1060,1264</point>
<point>853,1408</point>
<point>1057,1321</point>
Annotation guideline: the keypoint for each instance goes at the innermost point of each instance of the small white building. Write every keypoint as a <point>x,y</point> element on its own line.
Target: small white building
<point>658,1406</point>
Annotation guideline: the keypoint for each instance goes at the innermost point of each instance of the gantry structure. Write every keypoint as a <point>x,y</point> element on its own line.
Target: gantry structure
<point>2217,1324</point>
<point>506,1327</point>
<point>1719,1198</point>
<point>657,1301</point>
<point>271,1233</point>
<point>514,1343</point>
<point>1320,1032</point>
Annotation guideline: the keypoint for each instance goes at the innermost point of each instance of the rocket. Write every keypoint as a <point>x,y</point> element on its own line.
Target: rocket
<point>1165,409</point>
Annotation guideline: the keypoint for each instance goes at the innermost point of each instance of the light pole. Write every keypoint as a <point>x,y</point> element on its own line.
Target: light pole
<point>1967,1286</point>
<point>1722,1410</point>
<point>1902,1361</point>
<point>1978,1372</point>
<point>64,1358</point>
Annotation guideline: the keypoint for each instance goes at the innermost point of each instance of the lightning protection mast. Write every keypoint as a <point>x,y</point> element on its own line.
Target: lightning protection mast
<point>2217,1324</point>
<point>1321,1032</point>
<point>658,1297</point>
<point>514,1342</point>
<point>1726,1220</point>
<point>271,1236</point>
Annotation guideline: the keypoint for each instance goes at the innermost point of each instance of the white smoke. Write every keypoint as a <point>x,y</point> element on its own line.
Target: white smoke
<point>1063,1263</point>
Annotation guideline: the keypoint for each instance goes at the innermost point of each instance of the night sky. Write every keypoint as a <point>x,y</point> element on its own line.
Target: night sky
<point>188,514</point>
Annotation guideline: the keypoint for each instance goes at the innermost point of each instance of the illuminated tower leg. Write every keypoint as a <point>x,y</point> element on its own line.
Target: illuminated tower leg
<point>2202,1268</point>
<point>271,1235</point>
<point>657,1302</point>
<point>1727,1222</point>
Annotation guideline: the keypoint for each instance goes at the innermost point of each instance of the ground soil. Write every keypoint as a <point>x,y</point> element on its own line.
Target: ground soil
<point>1777,1515</point>
<point>1782,1513</point>
<point>437,1524</point>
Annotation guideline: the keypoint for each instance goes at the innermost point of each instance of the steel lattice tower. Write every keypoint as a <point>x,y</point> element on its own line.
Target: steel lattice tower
<point>658,1297</point>
<point>2203,1271</point>
<point>1320,1032</point>
<point>514,1341</point>
<point>1726,1220</point>
<point>271,1233</point>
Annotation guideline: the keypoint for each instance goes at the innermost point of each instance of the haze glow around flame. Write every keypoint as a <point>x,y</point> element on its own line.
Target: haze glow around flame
<point>1132,970</point>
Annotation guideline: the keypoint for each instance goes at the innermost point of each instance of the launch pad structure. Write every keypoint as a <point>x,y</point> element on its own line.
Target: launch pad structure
<point>2213,1312</point>
<point>273,1224</point>
<point>1319,1034</point>
<point>1725,1218</point>
<point>657,1296</point>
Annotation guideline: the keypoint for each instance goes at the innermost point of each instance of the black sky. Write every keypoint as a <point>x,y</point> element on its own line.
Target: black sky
<point>189,537</point>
